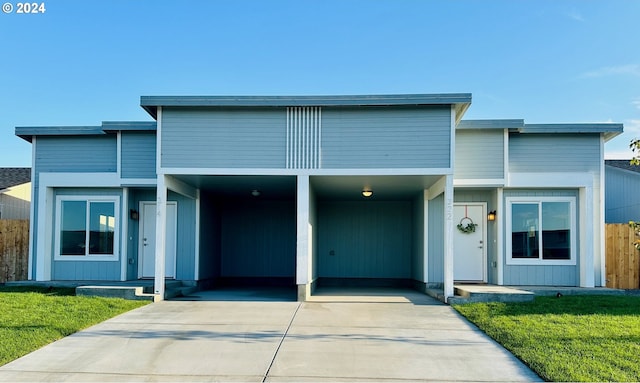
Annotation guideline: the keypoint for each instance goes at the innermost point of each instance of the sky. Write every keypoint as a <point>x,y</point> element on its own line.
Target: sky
<point>544,61</point>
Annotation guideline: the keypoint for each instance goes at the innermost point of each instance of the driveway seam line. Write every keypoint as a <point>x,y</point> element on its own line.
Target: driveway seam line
<point>275,354</point>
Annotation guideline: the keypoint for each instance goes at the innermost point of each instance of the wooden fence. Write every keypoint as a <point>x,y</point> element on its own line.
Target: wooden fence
<point>14,249</point>
<point>622,258</point>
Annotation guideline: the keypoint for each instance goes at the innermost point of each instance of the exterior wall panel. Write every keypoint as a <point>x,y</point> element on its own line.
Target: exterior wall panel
<point>223,138</point>
<point>90,154</point>
<point>479,154</point>
<point>554,153</point>
<point>138,155</point>
<point>436,240</point>
<point>258,239</point>
<point>622,198</point>
<point>368,239</point>
<point>378,137</point>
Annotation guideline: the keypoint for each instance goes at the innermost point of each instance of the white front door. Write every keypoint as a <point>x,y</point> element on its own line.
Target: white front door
<point>469,248</point>
<point>147,266</point>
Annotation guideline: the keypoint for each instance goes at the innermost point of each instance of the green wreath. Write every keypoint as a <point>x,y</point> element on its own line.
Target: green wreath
<point>467,227</point>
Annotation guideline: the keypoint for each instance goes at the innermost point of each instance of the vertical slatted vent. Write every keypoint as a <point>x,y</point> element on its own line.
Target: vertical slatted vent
<point>303,137</point>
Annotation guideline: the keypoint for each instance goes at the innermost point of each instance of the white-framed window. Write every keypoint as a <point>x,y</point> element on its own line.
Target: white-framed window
<point>87,228</point>
<point>541,230</point>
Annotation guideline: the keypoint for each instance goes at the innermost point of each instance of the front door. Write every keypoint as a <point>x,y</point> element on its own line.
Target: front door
<point>469,242</point>
<point>147,267</point>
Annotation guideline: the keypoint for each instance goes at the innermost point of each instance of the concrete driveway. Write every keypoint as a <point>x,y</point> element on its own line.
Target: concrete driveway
<point>406,337</point>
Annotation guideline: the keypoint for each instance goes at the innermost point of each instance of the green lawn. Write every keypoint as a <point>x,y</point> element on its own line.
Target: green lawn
<point>571,338</point>
<point>33,317</point>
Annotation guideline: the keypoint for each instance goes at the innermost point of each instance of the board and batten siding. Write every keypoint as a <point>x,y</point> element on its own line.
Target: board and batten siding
<point>90,154</point>
<point>258,239</point>
<point>550,275</point>
<point>554,153</point>
<point>383,137</point>
<point>138,158</point>
<point>364,239</point>
<point>436,240</point>
<point>223,138</point>
<point>479,154</point>
<point>622,201</point>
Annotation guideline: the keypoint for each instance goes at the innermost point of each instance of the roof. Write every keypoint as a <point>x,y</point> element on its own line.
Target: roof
<point>460,100</point>
<point>610,130</point>
<point>490,124</point>
<point>27,132</point>
<point>14,176</point>
<point>623,164</point>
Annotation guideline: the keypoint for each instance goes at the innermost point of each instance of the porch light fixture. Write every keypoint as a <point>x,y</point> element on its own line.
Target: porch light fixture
<point>134,215</point>
<point>367,193</point>
<point>491,216</point>
<point>255,192</point>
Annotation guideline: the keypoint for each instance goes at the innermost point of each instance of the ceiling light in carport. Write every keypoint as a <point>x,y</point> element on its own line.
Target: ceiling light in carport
<point>255,192</point>
<point>367,193</point>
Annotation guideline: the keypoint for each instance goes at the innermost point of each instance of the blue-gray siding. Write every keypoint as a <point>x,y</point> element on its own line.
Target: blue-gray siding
<point>436,240</point>
<point>91,154</point>
<point>86,270</point>
<point>258,239</point>
<point>622,195</point>
<point>543,274</point>
<point>368,239</point>
<point>233,138</point>
<point>554,152</point>
<point>479,154</point>
<point>386,137</point>
<point>138,158</point>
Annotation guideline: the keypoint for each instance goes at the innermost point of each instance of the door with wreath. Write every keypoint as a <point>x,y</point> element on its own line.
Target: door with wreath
<point>469,242</point>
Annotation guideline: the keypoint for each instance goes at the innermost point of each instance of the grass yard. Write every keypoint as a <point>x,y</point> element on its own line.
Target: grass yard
<point>33,317</point>
<point>571,338</point>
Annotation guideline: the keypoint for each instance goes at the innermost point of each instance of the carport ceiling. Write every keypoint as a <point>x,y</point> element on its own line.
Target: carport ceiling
<point>383,187</point>
<point>277,187</point>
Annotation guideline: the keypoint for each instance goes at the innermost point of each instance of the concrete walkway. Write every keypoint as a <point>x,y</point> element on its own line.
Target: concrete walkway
<point>259,340</point>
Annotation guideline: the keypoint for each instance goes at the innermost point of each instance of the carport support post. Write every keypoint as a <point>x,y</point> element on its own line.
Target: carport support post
<point>161,233</point>
<point>448,237</point>
<point>303,238</point>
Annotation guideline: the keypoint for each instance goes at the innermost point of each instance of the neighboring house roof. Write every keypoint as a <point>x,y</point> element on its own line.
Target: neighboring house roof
<point>610,130</point>
<point>27,132</point>
<point>14,176</point>
<point>623,164</point>
<point>460,100</point>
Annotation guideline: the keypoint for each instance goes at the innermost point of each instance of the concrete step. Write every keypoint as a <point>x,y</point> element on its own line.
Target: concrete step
<point>489,293</point>
<point>126,292</point>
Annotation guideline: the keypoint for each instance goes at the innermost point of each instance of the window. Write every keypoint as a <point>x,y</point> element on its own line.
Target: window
<point>86,228</point>
<point>541,230</point>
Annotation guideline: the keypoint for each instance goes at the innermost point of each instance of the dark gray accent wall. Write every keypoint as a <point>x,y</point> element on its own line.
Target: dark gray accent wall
<point>223,138</point>
<point>138,158</point>
<point>384,137</point>
<point>364,239</point>
<point>258,238</point>
<point>210,232</point>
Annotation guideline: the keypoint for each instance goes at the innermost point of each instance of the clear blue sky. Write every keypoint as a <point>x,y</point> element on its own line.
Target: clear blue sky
<point>83,62</point>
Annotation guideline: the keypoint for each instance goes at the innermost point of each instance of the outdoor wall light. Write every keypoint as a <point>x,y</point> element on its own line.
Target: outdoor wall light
<point>491,216</point>
<point>367,193</point>
<point>133,214</point>
<point>255,192</point>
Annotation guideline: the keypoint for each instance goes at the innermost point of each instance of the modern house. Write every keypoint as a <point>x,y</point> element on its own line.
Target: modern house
<point>15,193</point>
<point>308,191</point>
<point>622,182</point>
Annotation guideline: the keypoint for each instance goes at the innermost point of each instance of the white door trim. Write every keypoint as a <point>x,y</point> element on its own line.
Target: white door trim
<point>484,235</point>
<point>141,235</point>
